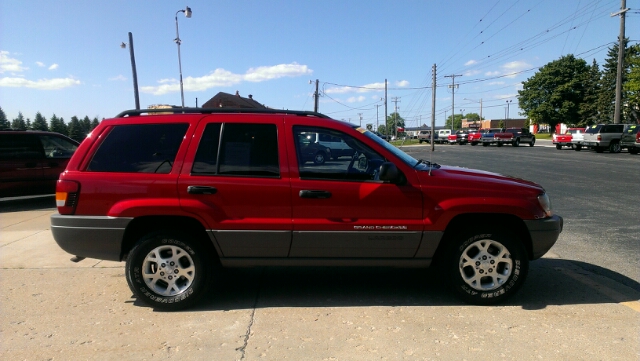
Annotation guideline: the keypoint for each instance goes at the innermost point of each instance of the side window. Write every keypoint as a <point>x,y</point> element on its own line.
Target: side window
<point>57,147</point>
<point>315,161</point>
<point>246,149</point>
<point>15,146</point>
<point>139,148</point>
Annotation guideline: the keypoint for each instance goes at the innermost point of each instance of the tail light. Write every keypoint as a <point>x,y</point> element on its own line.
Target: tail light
<point>67,196</point>
<point>638,137</point>
<point>599,138</point>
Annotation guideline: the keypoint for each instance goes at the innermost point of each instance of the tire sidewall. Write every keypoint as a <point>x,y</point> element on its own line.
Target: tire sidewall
<point>513,283</point>
<point>135,260</point>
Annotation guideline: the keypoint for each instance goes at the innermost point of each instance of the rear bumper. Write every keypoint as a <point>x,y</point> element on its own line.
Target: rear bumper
<point>544,234</point>
<point>92,237</point>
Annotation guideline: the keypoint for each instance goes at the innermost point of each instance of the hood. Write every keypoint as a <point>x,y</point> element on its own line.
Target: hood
<point>477,179</point>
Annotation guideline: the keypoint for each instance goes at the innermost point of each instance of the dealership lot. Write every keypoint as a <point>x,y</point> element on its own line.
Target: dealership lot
<point>580,301</point>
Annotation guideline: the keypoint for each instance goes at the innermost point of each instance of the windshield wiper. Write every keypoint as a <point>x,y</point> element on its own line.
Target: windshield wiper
<point>427,163</point>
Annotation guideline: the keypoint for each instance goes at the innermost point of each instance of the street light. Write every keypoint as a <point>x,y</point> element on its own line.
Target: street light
<point>461,116</point>
<point>133,70</point>
<point>508,115</point>
<point>187,13</point>
<point>474,122</point>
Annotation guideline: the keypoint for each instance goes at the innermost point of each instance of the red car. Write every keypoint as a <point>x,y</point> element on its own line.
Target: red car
<point>175,194</point>
<point>569,139</point>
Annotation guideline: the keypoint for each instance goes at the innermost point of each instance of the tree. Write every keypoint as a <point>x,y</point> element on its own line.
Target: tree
<point>75,129</point>
<point>4,122</point>
<point>94,123</point>
<point>57,125</point>
<point>607,85</point>
<point>394,119</point>
<point>588,112</point>
<point>86,125</point>
<point>457,121</point>
<point>632,85</point>
<point>40,123</point>
<point>553,95</point>
<point>19,123</point>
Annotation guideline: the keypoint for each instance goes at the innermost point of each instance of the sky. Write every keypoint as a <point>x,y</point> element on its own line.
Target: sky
<point>64,57</point>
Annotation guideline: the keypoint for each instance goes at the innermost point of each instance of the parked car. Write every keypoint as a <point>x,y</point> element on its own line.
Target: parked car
<point>386,137</point>
<point>31,161</point>
<point>312,151</point>
<point>569,139</point>
<point>179,193</point>
<point>336,146</point>
<point>443,136</point>
<point>488,136</point>
<point>460,137</point>
<point>604,136</point>
<point>631,139</point>
<point>515,136</point>
<point>425,136</point>
<point>475,136</point>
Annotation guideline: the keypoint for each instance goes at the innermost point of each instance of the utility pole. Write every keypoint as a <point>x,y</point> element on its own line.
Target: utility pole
<point>315,97</point>
<point>360,115</point>
<point>377,122</point>
<point>433,105</point>
<point>395,117</point>
<point>453,87</point>
<point>385,107</point>
<point>623,10</point>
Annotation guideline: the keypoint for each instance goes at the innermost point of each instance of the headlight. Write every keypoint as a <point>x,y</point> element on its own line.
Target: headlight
<point>545,203</point>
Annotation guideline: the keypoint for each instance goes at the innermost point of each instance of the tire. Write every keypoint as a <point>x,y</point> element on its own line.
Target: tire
<point>516,143</point>
<point>168,270</point>
<point>558,146</point>
<point>485,144</point>
<point>532,142</point>
<point>473,144</point>
<point>499,144</point>
<point>578,147</point>
<point>319,158</point>
<point>615,147</point>
<point>486,268</point>
<point>633,150</point>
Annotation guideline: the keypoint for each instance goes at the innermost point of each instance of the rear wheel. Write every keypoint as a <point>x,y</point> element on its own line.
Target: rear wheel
<point>516,143</point>
<point>615,147</point>
<point>168,270</point>
<point>532,142</point>
<point>558,146</point>
<point>578,147</point>
<point>499,144</point>
<point>319,158</point>
<point>487,267</point>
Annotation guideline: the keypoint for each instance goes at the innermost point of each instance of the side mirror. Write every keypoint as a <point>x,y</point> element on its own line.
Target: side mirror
<point>390,173</point>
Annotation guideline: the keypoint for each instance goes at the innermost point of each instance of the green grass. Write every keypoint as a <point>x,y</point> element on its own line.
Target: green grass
<point>543,136</point>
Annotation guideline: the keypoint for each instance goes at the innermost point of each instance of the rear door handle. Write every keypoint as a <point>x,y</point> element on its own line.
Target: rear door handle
<point>201,190</point>
<point>314,194</point>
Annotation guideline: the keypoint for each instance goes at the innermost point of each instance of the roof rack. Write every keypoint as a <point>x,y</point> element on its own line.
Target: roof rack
<point>134,112</point>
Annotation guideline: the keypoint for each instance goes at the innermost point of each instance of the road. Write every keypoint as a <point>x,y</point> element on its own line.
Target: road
<point>580,301</point>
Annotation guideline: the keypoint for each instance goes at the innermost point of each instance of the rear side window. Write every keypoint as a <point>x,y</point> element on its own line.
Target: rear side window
<point>593,129</point>
<point>633,129</point>
<point>57,147</point>
<point>139,148</point>
<point>20,146</point>
<point>238,149</point>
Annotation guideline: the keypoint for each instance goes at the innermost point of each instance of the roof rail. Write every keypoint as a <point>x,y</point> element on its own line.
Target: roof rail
<point>134,112</point>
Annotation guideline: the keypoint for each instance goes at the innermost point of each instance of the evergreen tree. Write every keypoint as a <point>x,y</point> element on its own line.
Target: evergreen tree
<point>94,123</point>
<point>57,125</point>
<point>588,112</point>
<point>19,123</point>
<point>75,129</point>
<point>632,85</point>
<point>607,87</point>
<point>40,123</point>
<point>28,124</point>
<point>4,122</point>
<point>86,125</point>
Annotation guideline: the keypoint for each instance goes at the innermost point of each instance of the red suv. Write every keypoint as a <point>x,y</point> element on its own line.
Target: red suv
<point>174,194</point>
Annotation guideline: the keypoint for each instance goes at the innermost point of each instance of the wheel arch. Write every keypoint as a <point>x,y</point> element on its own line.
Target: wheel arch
<point>144,225</point>
<point>483,221</point>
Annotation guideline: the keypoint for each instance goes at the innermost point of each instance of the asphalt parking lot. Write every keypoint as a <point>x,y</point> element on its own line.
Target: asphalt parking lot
<point>573,306</point>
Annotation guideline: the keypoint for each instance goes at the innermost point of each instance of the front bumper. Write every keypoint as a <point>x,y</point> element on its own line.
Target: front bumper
<point>544,234</point>
<point>89,236</point>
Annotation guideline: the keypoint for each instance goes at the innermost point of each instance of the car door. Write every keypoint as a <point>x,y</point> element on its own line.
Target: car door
<point>340,209</point>
<point>21,157</point>
<point>235,178</point>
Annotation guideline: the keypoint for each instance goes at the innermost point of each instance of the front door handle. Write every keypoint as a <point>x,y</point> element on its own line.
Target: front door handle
<point>314,194</point>
<point>201,190</point>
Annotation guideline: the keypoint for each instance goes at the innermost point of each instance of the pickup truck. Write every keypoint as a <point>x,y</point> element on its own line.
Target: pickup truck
<point>425,136</point>
<point>177,196</point>
<point>604,136</point>
<point>568,139</point>
<point>474,136</point>
<point>487,136</point>
<point>515,136</point>
<point>460,137</point>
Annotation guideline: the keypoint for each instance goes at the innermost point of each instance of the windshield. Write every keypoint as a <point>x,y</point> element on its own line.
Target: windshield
<point>409,160</point>
<point>593,129</point>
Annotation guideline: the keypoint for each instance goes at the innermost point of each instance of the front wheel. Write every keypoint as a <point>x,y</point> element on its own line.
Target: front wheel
<point>319,158</point>
<point>532,142</point>
<point>516,143</point>
<point>615,147</point>
<point>487,267</point>
<point>168,270</point>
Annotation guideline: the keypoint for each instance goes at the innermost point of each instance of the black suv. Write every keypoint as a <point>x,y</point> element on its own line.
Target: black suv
<point>31,161</point>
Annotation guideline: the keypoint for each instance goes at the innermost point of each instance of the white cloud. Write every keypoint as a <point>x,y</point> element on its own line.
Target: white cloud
<point>356,99</point>
<point>118,78</point>
<point>40,64</point>
<point>373,87</point>
<point>470,62</point>
<point>224,78</point>
<point>8,64</point>
<point>471,72</point>
<point>511,69</point>
<point>42,84</point>
<point>497,83</point>
<point>53,67</point>
<point>402,83</point>
<point>492,73</point>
